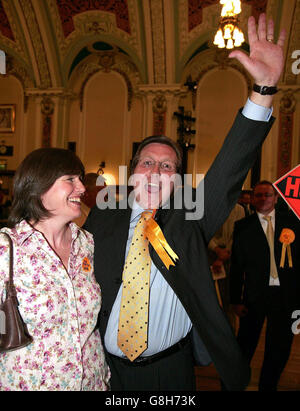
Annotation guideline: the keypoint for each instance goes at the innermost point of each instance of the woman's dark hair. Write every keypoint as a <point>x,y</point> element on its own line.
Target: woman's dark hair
<point>35,176</point>
<point>160,140</point>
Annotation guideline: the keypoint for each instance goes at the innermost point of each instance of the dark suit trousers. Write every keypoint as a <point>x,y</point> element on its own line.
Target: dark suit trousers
<point>172,373</point>
<point>279,336</point>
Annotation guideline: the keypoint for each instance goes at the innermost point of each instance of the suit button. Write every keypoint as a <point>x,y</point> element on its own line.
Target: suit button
<point>118,281</point>
<point>105,313</point>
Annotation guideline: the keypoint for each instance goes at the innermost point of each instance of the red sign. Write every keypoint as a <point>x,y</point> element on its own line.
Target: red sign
<point>288,187</point>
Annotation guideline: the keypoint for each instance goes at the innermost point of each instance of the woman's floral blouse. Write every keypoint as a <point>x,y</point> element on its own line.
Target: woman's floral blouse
<point>60,309</point>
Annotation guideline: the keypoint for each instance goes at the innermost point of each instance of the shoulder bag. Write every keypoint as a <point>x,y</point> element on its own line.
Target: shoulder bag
<point>14,331</point>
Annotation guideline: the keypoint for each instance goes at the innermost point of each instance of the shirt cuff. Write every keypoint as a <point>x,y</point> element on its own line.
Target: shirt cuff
<point>255,112</point>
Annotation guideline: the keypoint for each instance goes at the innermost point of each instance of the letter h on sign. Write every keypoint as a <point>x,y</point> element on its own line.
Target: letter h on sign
<point>292,187</point>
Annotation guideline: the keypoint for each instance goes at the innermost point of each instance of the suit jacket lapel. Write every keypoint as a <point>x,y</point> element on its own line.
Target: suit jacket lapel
<point>261,243</point>
<point>120,236</point>
<point>116,246</point>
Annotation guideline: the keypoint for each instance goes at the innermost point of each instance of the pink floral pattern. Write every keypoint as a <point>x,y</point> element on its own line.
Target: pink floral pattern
<point>60,309</point>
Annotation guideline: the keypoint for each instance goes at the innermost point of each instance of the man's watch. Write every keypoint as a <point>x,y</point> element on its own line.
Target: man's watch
<point>265,90</point>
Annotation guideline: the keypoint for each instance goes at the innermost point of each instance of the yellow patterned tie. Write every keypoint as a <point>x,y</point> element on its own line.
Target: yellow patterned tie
<point>133,320</point>
<point>270,238</point>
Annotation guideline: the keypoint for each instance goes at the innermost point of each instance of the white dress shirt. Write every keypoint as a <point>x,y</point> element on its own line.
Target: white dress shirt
<point>264,224</point>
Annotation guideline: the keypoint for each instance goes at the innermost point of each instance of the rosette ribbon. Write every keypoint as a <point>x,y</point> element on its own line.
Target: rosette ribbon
<point>287,236</point>
<point>159,242</point>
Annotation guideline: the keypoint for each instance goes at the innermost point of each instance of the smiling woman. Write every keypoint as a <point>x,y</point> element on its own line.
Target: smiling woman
<point>59,298</point>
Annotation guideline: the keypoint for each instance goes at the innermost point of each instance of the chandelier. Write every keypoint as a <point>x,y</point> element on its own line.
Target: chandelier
<point>229,35</point>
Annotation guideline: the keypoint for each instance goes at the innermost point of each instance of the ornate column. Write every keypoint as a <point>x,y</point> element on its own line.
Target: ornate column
<point>47,109</point>
<point>160,104</point>
<point>52,116</point>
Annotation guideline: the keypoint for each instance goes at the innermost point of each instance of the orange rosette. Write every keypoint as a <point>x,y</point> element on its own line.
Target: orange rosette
<point>287,237</point>
<point>86,265</point>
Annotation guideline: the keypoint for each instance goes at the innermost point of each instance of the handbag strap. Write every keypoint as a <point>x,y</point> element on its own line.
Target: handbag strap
<point>10,282</point>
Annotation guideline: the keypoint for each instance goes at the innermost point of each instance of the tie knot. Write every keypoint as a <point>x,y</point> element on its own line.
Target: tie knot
<point>267,218</point>
<point>146,215</point>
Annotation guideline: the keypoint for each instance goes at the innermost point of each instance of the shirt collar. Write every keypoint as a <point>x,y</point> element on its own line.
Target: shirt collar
<point>137,210</point>
<point>22,231</point>
<point>261,216</point>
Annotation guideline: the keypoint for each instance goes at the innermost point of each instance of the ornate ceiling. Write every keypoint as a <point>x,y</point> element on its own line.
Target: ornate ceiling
<point>47,39</point>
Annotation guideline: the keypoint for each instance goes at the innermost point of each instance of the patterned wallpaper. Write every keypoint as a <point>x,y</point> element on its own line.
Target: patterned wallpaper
<point>68,9</point>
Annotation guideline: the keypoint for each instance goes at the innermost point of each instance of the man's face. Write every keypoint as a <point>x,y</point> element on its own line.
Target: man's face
<point>264,199</point>
<point>153,175</point>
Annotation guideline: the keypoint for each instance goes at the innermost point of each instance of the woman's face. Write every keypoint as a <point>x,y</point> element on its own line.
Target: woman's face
<point>63,198</point>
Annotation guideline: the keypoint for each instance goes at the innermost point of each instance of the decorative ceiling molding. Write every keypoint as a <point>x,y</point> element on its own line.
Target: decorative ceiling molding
<point>158,41</point>
<point>14,42</point>
<point>164,41</point>
<point>69,9</point>
<point>96,22</point>
<point>37,42</point>
<point>5,28</point>
<point>16,69</point>
<point>195,11</point>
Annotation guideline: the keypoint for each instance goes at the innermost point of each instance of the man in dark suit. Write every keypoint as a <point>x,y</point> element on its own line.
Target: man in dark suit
<point>245,201</point>
<point>182,300</point>
<point>263,287</point>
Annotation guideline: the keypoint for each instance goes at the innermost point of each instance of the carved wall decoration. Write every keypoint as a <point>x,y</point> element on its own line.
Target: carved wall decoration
<point>47,109</point>
<point>285,137</point>
<point>106,62</point>
<point>107,59</point>
<point>159,106</point>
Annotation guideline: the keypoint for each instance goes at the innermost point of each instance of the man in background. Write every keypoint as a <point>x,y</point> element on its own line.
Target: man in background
<point>245,201</point>
<point>265,283</point>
